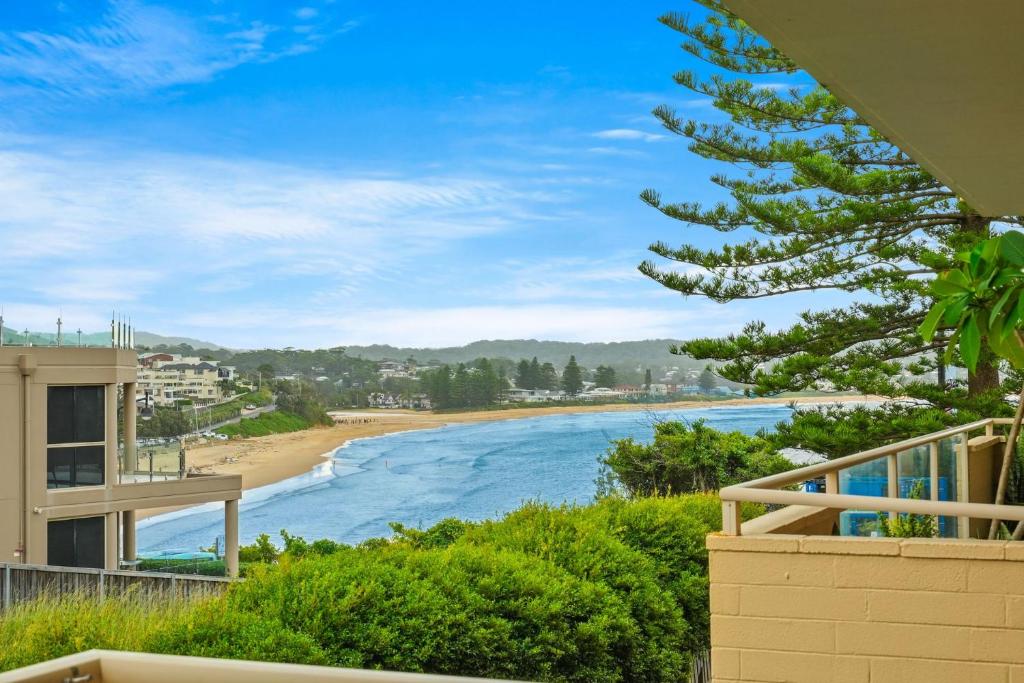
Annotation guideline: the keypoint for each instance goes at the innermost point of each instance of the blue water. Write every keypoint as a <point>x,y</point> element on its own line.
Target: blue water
<point>471,471</point>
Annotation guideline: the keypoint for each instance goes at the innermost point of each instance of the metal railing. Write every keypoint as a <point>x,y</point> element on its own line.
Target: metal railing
<point>769,490</point>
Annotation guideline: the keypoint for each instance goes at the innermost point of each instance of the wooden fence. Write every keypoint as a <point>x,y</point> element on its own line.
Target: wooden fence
<point>24,582</point>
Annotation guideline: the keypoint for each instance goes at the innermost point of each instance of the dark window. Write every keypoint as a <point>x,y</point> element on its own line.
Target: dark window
<point>75,414</point>
<point>89,414</point>
<point>60,465</point>
<point>60,411</point>
<point>75,542</point>
<point>74,466</point>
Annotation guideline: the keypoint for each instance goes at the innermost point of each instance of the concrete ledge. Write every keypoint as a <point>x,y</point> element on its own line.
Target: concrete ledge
<point>850,545</point>
<point>968,549</point>
<point>759,543</point>
<point>939,548</point>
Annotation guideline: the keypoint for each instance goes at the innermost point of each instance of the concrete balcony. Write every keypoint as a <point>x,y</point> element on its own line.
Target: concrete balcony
<point>100,666</point>
<point>796,596</point>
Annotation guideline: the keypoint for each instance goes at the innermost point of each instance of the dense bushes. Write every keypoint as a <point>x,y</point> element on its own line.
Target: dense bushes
<point>686,458</point>
<point>263,424</point>
<point>614,591</point>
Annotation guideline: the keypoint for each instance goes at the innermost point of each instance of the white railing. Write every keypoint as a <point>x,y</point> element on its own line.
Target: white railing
<point>770,489</point>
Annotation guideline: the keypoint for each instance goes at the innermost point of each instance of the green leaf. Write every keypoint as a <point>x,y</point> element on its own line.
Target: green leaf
<point>997,309</point>
<point>931,321</point>
<point>1011,247</point>
<point>970,342</point>
<point>955,310</point>
<point>945,287</point>
<point>958,277</point>
<point>950,346</point>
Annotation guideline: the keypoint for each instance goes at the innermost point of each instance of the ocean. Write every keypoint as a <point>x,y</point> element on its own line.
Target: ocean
<point>470,471</point>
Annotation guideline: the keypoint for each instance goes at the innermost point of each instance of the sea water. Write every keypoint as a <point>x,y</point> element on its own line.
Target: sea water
<point>470,471</point>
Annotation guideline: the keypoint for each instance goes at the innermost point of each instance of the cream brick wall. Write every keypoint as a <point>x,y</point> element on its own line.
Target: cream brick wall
<point>829,609</point>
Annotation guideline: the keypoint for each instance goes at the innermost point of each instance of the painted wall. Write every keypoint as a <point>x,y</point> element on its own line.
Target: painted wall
<point>858,610</point>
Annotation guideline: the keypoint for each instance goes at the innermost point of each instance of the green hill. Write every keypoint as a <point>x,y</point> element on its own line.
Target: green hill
<point>653,353</point>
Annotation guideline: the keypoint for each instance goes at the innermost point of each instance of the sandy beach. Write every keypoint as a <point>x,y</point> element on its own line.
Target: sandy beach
<point>267,459</point>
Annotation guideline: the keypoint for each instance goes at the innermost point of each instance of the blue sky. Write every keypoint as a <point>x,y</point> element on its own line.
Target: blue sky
<point>325,173</point>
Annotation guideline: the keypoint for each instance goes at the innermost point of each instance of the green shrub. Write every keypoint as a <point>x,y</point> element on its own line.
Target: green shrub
<point>466,610</point>
<point>688,458</point>
<point>211,630</point>
<point>614,591</point>
<point>264,424</point>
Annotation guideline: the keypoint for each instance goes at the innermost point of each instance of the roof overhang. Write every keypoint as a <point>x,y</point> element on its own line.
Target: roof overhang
<point>942,79</point>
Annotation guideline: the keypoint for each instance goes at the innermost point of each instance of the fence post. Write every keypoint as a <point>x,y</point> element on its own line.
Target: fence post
<point>174,587</point>
<point>102,574</point>
<point>7,586</point>
<point>893,480</point>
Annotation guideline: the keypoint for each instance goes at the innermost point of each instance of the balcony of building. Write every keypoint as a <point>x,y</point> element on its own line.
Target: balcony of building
<point>813,590</point>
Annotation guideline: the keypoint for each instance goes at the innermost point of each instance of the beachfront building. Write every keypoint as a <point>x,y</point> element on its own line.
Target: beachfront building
<point>171,378</point>
<point>65,499</point>
<point>803,593</point>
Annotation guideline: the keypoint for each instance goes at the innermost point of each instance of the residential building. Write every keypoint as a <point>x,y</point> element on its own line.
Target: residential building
<point>170,378</point>
<point>600,394</point>
<point>63,499</point>
<point>391,368</point>
<point>515,395</point>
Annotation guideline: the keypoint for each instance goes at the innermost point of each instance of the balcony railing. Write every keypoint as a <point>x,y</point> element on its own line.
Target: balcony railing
<point>151,462</point>
<point>939,460</point>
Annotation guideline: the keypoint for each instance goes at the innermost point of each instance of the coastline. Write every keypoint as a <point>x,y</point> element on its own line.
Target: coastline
<point>266,460</point>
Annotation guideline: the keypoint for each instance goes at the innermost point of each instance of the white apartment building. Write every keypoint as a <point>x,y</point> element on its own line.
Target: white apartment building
<point>168,378</point>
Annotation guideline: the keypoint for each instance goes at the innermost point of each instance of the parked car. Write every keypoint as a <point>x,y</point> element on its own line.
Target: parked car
<point>250,407</point>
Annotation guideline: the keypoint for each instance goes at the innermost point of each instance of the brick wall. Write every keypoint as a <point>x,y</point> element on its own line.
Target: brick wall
<point>856,610</point>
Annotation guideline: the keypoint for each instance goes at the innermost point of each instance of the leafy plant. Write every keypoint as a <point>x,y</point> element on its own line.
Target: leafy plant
<point>982,301</point>
<point>909,525</point>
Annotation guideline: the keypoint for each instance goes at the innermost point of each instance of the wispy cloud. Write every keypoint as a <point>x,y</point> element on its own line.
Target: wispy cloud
<point>135,48</point>
<point>628,134</point>
<point>202,223</point>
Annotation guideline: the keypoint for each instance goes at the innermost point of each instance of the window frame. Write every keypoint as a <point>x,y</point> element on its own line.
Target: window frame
<point>72,524</point>
<point>73,447</point>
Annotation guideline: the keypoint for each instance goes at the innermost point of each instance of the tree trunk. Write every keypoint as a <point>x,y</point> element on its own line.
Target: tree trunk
<point>985,376</point>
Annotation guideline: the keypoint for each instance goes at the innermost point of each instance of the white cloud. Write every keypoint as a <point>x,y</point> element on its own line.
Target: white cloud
<point>86,224</point>
<point>137,48</point>
<point>306,12</point>
<point>628,134</point>
<point>450,326</point>
<point>615,152</point>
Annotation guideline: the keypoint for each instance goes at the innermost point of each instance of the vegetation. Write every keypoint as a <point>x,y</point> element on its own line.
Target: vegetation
<point>982,302</point>
<point>688,458</point>
<point>615,591</point>
<point>572,377</point>
<point>532,375</point>
<point>707,381</point>
<point>476,385</point>
<point>264,424</point>
<point>176,421</point>
<point>909,525</point>
<point>831,205</point>
<point>604,376</point>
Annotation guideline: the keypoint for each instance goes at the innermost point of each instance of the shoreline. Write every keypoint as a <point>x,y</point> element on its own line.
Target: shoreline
<point>264,460</point>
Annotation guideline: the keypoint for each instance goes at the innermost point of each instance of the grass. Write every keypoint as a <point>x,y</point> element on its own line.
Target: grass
<point>277,422</point>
